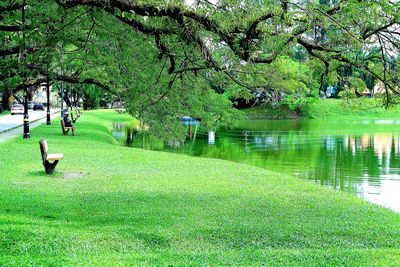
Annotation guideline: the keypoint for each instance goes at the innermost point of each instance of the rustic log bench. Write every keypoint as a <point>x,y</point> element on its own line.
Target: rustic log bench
<point>46,158</point>
<point>65,130</point>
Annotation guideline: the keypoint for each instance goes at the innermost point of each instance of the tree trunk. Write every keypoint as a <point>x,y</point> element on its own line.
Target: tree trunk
<point>29,95</point>
<point>4,101</point>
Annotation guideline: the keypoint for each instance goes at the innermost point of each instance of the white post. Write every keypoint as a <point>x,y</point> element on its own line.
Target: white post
<point>211,138</point>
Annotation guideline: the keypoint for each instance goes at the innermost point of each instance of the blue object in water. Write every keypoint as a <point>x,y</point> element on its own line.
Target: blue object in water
<point>189,121</point>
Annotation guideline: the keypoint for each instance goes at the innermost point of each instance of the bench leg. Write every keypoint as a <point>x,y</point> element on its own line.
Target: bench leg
<point>49,167</point>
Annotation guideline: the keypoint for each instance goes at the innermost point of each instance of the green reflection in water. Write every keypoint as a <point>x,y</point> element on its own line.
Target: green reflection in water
<point>357,156</point>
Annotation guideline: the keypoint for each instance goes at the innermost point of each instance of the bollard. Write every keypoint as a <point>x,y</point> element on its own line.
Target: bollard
<point>246,137</point>
<point>211,138</point>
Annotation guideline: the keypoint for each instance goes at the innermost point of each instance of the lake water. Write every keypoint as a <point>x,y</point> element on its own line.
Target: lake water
<point>358,156</point>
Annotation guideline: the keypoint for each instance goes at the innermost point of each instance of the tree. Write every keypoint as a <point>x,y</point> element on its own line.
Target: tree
<point>161,57</point>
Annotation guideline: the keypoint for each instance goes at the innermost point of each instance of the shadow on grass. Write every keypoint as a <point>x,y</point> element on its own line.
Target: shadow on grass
<point>56,174</point>
<point>38,173</point>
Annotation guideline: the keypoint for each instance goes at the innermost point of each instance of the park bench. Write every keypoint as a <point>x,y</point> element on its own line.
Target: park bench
<point>46,158</point>
<point>65,130</point>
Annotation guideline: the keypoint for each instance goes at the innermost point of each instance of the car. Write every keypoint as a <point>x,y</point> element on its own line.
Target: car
<point>30,105</point>
<point>38,106</point>
<point>17,109</point>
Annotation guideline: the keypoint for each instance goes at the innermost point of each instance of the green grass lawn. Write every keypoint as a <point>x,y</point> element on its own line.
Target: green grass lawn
<point>6,112</point>
<point>137,207</point>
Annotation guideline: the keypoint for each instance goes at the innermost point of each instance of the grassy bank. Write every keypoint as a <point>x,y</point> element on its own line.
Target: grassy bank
<point>260,113</point>
<point>137,207</point>
<point>328,108</point>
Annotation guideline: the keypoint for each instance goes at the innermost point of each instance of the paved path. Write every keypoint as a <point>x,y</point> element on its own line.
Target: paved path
<point>8,122</point>
<point>12,125</point>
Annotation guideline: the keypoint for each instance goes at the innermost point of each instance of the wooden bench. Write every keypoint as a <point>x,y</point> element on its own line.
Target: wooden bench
<point>65,130</point>
<point>46,158</point>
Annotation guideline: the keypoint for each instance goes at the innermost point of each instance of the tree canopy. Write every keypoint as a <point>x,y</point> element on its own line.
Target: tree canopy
<point>166,59</point>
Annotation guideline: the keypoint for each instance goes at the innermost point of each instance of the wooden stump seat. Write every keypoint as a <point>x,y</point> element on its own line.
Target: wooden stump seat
<point>46,158</point>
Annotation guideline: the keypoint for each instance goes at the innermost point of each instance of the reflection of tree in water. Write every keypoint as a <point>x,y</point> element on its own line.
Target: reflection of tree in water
<point>272,150</point>
<point>326,171</point>
<point>394,152</point>
<point>383,153</point>
<point>356,159</point>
